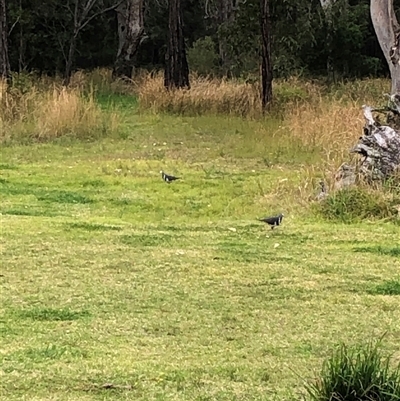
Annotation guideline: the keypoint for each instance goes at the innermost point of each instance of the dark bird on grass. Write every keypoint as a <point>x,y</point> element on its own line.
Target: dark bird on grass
<point>168,178</point>
<point>273,221</point>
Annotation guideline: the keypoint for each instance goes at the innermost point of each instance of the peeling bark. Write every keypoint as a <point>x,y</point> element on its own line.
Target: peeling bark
<point>387,30</point>
<point>130,35</point>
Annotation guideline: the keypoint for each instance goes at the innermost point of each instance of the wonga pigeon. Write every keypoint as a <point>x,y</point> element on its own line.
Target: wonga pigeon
<point>168,178</point>
<point>273,221</point>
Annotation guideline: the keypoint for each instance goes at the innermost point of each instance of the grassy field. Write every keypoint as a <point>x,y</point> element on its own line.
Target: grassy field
<point>118,286</point>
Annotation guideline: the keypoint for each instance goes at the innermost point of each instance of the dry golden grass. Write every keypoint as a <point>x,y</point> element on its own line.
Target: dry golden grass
<point>331,126</point>
<point>242,98</point>
<point>206,95</point>
<point>64,112</point>
<point>42,114</point>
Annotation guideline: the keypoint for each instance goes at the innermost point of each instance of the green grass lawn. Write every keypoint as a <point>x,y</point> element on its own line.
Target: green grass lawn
<point>118,286</point>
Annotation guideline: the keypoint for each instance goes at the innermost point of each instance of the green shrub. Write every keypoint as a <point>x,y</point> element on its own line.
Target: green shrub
<point>356,374</point>
<point>354,204</point>
<point>202,56</point>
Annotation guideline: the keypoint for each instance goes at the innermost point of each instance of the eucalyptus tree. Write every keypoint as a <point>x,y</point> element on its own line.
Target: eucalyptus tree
<point>130,18</point>
<point>387,30</point>
<point>176,74</point>
<point>266,64</point>
<point>4,61</point>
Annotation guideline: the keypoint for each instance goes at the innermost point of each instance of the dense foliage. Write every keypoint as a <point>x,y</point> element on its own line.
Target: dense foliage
<point>305,40</point>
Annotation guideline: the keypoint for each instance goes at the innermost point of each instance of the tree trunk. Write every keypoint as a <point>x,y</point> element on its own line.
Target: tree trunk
<point>70,60</point>
<point>130,34</point>
<point>176,66</point>
<point>5,72</point>
<point>387,30</point>
<point>327,6</point>
<point>266,65</point>
<point>226,15</point>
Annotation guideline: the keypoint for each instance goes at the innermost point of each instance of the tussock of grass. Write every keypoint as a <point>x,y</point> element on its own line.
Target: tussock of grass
<point>332,127</point>
<point>45,114</point>
<point>357,203</point>
<point>356,374</point>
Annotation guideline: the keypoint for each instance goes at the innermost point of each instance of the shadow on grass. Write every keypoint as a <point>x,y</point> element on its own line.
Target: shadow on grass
<point>56,196</point>
<point>6,166</point>
<point>27,212</point>
<point>390,287</point>
<point>242,252</point>
<point>270,291</point>
<point>94,183</point>
<point>93,227</point>
<point>50,314</point>
<point>36,355</point>
<point>381,250</point>
<point>148,239</point>
<point>49,352</point>
<point>43,194</point>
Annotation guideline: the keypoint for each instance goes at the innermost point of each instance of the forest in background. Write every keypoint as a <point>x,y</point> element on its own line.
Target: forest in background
<point>304,41</point>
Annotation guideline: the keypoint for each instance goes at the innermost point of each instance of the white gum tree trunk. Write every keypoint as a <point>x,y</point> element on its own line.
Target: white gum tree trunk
<point>387,30</point>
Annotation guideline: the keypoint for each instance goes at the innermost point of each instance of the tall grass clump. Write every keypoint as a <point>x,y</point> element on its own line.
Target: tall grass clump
<point>42,114</point>
<point>206,95</point>
<point>332,126</point>
<point>357,203</point>
<point>332,118</point>
<point>356,374</point>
